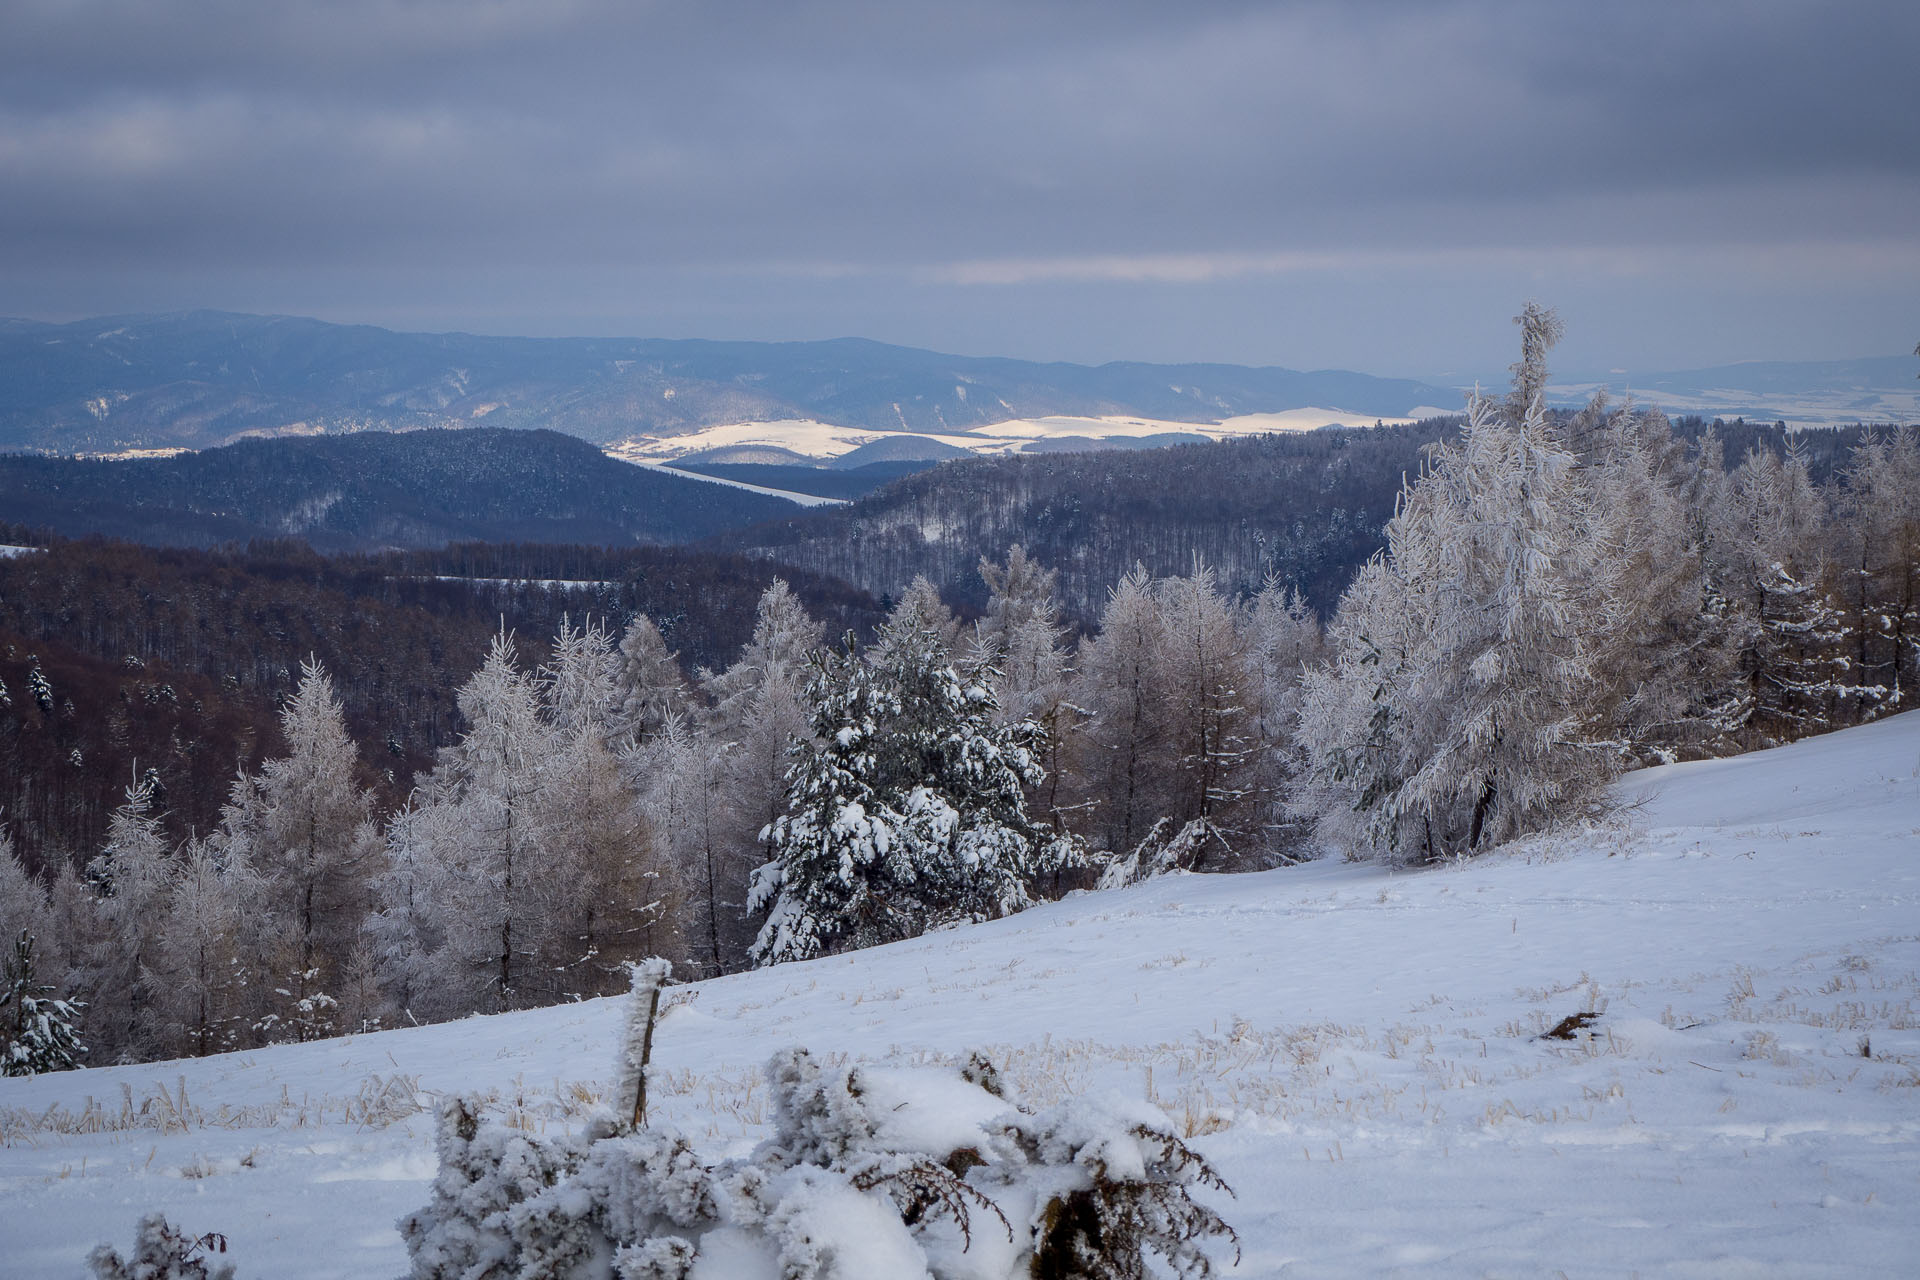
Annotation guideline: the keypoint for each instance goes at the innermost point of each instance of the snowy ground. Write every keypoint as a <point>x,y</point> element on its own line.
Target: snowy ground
<point>824,440</point>
<point>1356,1050</point>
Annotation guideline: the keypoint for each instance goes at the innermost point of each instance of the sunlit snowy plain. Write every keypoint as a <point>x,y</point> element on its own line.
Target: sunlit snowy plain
<point>1357,1050</point>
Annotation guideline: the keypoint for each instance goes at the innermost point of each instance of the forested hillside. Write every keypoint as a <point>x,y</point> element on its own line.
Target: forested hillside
<point>375,490</point>
<point>176,661</point>
<point>1306,509</point>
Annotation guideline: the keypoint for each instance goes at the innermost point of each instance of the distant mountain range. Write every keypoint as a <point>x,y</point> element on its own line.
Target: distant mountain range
<point>1803,393</point>
<point>199,379</point>
<point>377,490</point>
<point>205,378</point>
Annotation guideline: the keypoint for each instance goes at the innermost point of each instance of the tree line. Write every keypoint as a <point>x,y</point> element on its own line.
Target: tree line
<point>1559,597</point>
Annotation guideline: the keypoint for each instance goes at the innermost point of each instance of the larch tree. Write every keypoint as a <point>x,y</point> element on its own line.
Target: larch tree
<point>24,903</point>
<point>1658,644</point>
<point>494,878</point>
<point>649,682</point>
<point>1019,640</point>
<point>1457,709</point>
<point>1122,752</point>
<point>1282,638</point>
<point>303,826</point>
<point>1765,545</point>
<point>130,879</point>
<point>1877,558</point>
<point>1206,687</point>
<point>759,712</point>
<point>204,978</point>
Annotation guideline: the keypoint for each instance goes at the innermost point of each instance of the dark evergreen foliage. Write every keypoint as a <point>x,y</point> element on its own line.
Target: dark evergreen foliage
<point>36,1027</point>
<point>374,489</point>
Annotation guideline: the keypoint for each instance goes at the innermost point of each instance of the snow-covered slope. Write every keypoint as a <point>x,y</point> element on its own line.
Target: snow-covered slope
<point>1357,1050</point>
<point>824,441</point>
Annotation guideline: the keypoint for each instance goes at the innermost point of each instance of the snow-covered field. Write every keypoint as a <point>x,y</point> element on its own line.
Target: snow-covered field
<point>1357,1050</point>
<point>824,440</point>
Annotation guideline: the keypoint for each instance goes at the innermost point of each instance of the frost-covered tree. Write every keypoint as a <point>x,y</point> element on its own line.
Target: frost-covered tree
<point>621,898</point>
<point>919,612</point>
<point>1765,552</point>
<point>1877,560</point>
<point>405,927</point>
<point>37,1029</point>
<point>617,903</point>
<point>907,810</point>
<point>130,879</point>
<point>24,903</point>
<point>1659,650</point>
<point>162,1252</point>
<point>1457,709</point>
<point>682,775</point>
<point>495,882</point>
<point>759,712</point>
<point>1020,641</point>
<point>203,979</point>
<point>582,681</point>
<point>649,683</point>
<point>1283,637</point>
<point>303,828</point>
<point>1206,687</point>
<point>1122,755</point>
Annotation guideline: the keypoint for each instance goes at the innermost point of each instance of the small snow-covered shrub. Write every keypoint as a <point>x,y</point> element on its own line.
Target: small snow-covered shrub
<point>870,1173</point>
<point>1164,851</point>
<point>162,1252</point>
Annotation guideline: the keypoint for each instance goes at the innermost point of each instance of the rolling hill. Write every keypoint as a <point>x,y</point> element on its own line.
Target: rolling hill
<point>1359,1052</point>
<point>375,490</point>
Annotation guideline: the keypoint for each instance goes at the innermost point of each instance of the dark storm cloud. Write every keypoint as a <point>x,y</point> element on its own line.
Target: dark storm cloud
<point>379,154</point>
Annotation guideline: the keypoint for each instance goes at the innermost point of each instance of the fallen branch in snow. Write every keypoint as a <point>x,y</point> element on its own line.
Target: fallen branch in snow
<point>1568,1027</point>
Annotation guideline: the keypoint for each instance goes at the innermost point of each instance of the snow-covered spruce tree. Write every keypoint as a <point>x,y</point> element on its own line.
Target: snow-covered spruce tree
<point>907,811</point>
<point>37,1029</point>
<point>303,828</point>
<point>1457,709</point>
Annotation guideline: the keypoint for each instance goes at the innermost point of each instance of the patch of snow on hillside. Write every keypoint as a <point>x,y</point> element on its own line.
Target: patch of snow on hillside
<point>824,441</point>
<point>1358,1051</point>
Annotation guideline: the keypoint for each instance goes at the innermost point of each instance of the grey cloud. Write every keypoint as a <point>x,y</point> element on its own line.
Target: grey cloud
<point>637,146</point>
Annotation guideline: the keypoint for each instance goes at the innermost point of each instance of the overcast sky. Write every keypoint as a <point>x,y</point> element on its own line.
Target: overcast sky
<point>1367,184</point>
